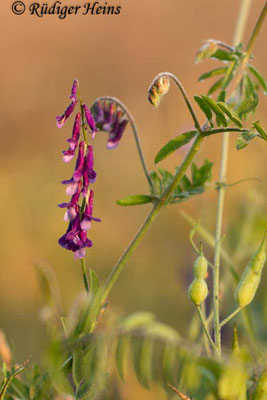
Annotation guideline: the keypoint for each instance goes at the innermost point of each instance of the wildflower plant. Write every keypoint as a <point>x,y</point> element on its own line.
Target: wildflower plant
<point>79,352</point>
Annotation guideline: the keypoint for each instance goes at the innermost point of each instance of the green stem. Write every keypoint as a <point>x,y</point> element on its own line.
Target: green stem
<point>184,94</point>
<point>135,132</point>
<point>205,328</point>
<point>85,280</point>
<point>257,28</point>
<point>230,317</point>
<point>151,217</point>
<point>221,195</point>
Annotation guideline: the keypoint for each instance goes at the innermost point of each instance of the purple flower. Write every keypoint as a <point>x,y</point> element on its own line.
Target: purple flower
<point>109,118</point>
<point>89,174</point>
<point>75,239</point>
<point>74,140</point>
<point>62,120</point>
<point>75,197</point>
<point>87,215</point>
<point>74,91</point>
<point>90,120</point>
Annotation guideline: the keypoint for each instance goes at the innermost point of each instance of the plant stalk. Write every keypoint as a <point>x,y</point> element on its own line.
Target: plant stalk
<point>245,4</point>
<point>85,280</point>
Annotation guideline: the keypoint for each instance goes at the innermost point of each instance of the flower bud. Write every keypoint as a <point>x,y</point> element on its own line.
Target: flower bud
<point>158,89</point>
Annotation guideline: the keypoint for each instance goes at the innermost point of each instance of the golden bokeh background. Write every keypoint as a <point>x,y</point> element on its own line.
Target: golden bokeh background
<point>118,56</point>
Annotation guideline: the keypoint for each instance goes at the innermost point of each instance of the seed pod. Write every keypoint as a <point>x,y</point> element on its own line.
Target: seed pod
<point>201,267</point>
<point>158,89</point>
<point>250,279</point>
<point>198,291</point>
<point>261,388</point>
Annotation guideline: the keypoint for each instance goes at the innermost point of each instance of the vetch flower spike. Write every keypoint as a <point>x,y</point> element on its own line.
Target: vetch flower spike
<point>109,118</point>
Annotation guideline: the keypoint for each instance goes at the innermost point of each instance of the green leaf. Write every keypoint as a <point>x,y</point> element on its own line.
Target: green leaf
<point>136,320</point>
<point>230,113</point>
<point>156,183</point>
<point>86,391</point>
<point>221,120</point>
<point>222,96</point>
<point>223,55</point>
<point>122,355</point>
<point>166,177</point>
<point>215,86</point>
<point>10,377</point>
<point>204,107</point>
<point>229,75</point>
<point>135,200</point>
<point>169,356</point>
<point>260,130</point>
<point>249,87</point>
<point>243,139</point>
<point>259,77</point>
<point>248,105</point>
<point>174,144</point>
<point>214,72</point>
<point>93,282</point>
<point>144,365</point>
<point>206,51</point>
<point>78,365</point>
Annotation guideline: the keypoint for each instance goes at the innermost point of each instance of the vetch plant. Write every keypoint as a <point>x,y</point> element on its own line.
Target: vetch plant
<point>84,341</point>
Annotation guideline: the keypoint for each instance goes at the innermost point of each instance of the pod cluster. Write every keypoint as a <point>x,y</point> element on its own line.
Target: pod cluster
<point>158,89</point>
<point>198,290</point>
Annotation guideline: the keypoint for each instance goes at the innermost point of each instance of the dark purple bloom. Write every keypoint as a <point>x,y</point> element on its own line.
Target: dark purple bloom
<point>74,91</point>
<point>109,118</point>
<point>61,120</point>
<point>75,239</point>
<point>90,120</point>
<point>74,140</point>
<point>87,215</point>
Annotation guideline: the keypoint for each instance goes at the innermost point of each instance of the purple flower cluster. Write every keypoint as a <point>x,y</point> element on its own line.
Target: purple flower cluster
<point>79,216</point>
<point>109,118</point>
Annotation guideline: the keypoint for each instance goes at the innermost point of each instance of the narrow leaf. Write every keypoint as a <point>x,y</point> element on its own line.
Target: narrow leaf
<point>221,120</point>
<point>223,55</point>
<point>214,72</point>
<point>93,282</point>
<point>137,320</point>
<point>229,75</point>
<point>243,139</point>
<point>206,50</point>
<point>156,183</point>
<point>215,86</point>
<point>175,144</point>
<point>249,87</point>
<point>230,113</point>
<point>145,364</point>
<point>248,105</point>
<point>122,354</point>
<point>222,96</point>
<point>77,365</point>
<point>135,200</point>
<point>260,129</point>
<point>259,77</point>
<point>169,356</point>
<point>204,107</point>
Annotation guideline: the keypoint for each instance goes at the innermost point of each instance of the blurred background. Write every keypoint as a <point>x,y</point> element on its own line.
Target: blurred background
<point>118,56</point>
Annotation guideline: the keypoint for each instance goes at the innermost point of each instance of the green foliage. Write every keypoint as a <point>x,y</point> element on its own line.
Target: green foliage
<point>243,139</point>
<point>174,145</point>
<point>135,200</point>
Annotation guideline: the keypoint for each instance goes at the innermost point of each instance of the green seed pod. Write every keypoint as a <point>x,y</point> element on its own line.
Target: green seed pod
<point>200,266</point>
<point>261,388</point>
<point>198,291</point>
<point>250,279</point>
<point>158,89</point>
